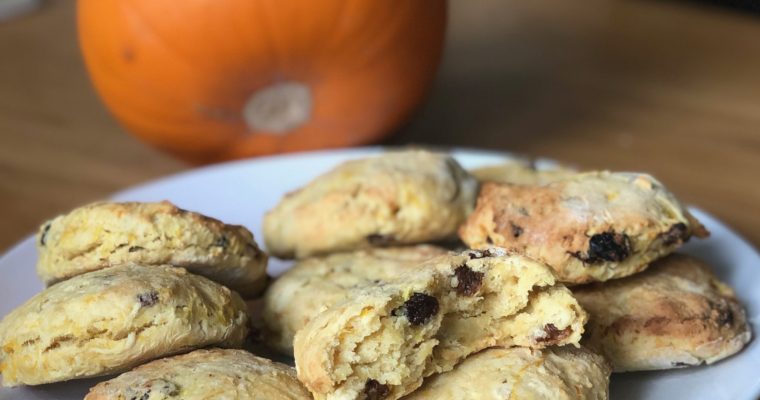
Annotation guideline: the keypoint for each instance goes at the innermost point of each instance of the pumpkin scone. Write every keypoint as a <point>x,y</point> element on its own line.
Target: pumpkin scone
<point>314,284</point>
<point>102,235</point>
<point>205,374</point>
<point>520,172</point>
<point>590,227</point>
<point>384,339</point>
<point>113,319</point>
<point>557,373</point>
<point>675,314</point>
<point>403,197</point>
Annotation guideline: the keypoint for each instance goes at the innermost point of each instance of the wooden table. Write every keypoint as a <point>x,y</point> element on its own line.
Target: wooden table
<point>671,88</point>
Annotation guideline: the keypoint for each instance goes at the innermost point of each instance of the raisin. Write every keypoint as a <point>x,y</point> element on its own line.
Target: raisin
<point>148,299</point>
<point>468,281</point>
<point>222,242</point>
<point>517,230</point>
<point>554,335</point>
<point>725,316</point>
<point>418,309</point>
<point>377,239</point>
<point>43,236</point>
<point>678,233</point>
<point>374,390</point>
<point>607,246</point>
<point>133,249</point>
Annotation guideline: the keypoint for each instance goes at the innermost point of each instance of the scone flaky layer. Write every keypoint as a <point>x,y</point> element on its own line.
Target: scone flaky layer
<point>113,319</point>
<point>102,235</point>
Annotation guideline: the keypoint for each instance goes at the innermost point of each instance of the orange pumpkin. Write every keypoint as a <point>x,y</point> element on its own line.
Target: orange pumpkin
<point>217,79</point>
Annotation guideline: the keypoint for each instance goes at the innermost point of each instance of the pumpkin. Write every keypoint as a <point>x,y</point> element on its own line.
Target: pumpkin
<point>210,80</point>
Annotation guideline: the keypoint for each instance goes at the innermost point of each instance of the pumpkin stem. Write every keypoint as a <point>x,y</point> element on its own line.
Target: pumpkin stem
<point>278,108</point>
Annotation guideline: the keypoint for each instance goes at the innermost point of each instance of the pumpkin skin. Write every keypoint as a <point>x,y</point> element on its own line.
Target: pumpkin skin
<point>181,75</point>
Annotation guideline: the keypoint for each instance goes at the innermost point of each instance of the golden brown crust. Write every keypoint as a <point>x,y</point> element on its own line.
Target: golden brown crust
<point>675,314</point>
<point>591,227</point>
<point>105,234</point>
<point>205,374</point>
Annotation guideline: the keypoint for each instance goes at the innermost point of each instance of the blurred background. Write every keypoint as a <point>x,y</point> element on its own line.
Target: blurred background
<point>667,87</point>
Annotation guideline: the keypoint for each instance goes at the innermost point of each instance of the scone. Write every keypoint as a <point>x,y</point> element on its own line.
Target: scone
<point>113,319</point>
<point>314,284</point>
<point>557,373</point>
<point>675,314</point>
<point>590,227</point>
<point>401,197</point>
<point>385,339</point>
<point>519,172</point>
<point>205,374</point>
<point>108,234</point>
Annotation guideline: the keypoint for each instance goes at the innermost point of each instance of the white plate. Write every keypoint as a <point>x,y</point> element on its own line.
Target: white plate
<point>240,192</point>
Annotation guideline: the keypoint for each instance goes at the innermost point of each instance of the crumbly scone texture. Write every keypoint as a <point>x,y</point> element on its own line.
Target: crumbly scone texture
<point>205,374</point>
<point>102,235</point>
<point>519,172</point>
<point>675,314</point>
<point>384,339</point>
<point>396,198</point>
<point>112,319</point>
<point>591,227</point>
<point>314,284</point>
<point>558,373</point>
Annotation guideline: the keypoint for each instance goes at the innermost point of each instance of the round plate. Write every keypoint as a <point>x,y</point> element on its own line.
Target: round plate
<point>240,192</point>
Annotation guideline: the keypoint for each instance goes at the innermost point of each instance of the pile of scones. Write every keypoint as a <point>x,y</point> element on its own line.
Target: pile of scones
<point>413,278</point>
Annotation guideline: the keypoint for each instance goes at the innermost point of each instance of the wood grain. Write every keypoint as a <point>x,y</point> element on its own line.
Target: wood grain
<point>672,88</point>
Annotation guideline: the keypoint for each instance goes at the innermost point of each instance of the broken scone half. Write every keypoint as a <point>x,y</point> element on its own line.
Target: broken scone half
<point>314,284</point>
<point>593,226</point>
<point>383,340</point>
